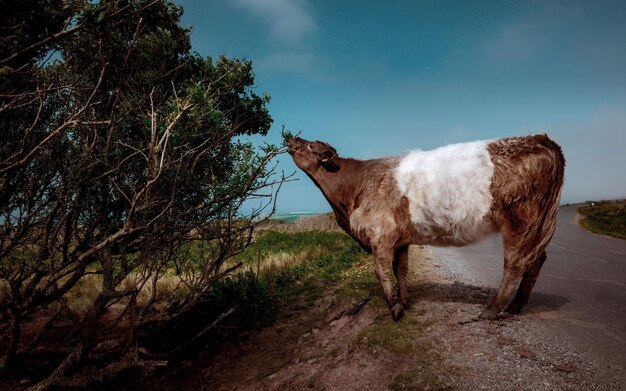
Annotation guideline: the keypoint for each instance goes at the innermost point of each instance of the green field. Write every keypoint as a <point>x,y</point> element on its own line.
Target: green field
<point>605,217</point>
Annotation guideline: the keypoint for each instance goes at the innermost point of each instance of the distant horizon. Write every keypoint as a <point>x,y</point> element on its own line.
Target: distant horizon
<point>563,203</point>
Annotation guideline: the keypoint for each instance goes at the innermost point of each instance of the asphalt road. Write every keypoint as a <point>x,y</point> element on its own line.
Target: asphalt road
<point>581,290</point>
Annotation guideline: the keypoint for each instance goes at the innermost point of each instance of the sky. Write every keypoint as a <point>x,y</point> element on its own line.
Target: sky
<point>379,78</point>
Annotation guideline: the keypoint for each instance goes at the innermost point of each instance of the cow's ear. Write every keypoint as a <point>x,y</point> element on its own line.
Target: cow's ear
<point>327,159</point>
<point>327,155</point>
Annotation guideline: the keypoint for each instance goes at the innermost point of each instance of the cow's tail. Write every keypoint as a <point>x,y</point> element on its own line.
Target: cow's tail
<point>539,236</point>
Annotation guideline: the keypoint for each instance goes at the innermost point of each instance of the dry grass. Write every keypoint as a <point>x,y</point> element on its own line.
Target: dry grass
<point>82,295</point>
<point>274,262</point>
<point>169,285</point>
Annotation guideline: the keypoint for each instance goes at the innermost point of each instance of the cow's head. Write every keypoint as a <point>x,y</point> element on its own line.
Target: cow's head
<point>311,156</point>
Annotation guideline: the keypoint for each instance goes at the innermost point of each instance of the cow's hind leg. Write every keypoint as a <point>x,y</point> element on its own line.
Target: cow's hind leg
<point>510,277</point>
<point>382,262</point>
<point>400,270</point>
<point>526,286</point>
<point>515,255</point>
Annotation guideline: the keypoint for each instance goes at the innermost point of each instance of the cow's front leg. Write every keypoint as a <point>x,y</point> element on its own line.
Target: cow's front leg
<point>400,270</point>
<point>383,257</point>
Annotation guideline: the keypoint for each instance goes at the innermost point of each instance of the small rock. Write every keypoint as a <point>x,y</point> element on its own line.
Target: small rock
<point>23,382</point>
<point>525,352</point>
<point>568,368</point>
<point>504,341</point>
<point>467,320</point>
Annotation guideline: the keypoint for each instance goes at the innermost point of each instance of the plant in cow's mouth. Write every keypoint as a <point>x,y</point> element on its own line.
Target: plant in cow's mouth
<point>287,136</point>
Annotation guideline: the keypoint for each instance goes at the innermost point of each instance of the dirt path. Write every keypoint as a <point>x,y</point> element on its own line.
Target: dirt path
<point>335,344</point>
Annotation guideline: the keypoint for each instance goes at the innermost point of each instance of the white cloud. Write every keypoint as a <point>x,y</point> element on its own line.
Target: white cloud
<point>289,20</point>
<point>519,39</point>
<point>515,43</point>
<point>303,63</point>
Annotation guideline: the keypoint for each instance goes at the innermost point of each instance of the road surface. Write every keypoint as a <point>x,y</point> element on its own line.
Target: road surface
<point>581,290</point>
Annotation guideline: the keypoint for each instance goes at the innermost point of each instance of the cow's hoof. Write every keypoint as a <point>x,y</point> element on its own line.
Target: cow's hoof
<point>514,308</point>
<point>396,311</point>
<point>488,315</point>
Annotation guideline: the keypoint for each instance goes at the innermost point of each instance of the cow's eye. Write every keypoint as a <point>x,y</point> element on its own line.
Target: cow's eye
<point>309,146</point>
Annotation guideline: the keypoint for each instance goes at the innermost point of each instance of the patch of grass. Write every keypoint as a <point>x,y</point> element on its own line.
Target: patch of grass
<point>405,336</point>
<point>272,242</point>
<point>359,282</point>
<point>264,286</point>
<point>605,217</point>
<point>419,378</point>
<point>302,283</point>
<point>308,259</point>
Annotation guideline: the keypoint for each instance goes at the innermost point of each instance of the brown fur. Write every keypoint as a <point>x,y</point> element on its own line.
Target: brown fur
<point>526,185</point>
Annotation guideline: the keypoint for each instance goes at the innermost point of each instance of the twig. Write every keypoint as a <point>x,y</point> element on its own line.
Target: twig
<point>352,310</point>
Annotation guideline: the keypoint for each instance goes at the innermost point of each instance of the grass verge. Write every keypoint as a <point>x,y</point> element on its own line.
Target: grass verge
<point>605,217</point>
<point>281,271</point>
<point>283,268</point>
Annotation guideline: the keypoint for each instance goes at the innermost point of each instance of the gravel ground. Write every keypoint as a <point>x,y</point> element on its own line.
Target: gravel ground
<point>513,353</point>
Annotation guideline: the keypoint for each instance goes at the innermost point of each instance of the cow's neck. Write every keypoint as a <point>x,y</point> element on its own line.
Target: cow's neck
<point>340,187</point>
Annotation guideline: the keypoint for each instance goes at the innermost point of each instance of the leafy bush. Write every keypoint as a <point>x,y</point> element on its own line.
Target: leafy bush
<point>119,146</point>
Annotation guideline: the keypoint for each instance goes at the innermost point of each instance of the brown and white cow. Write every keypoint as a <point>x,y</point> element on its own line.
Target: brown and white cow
<point>449,196</point>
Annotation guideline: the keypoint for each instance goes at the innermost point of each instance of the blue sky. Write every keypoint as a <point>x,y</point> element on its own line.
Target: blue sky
<point>377,78</point>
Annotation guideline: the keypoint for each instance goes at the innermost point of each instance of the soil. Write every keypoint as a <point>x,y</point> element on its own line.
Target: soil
<point>344,344</point>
